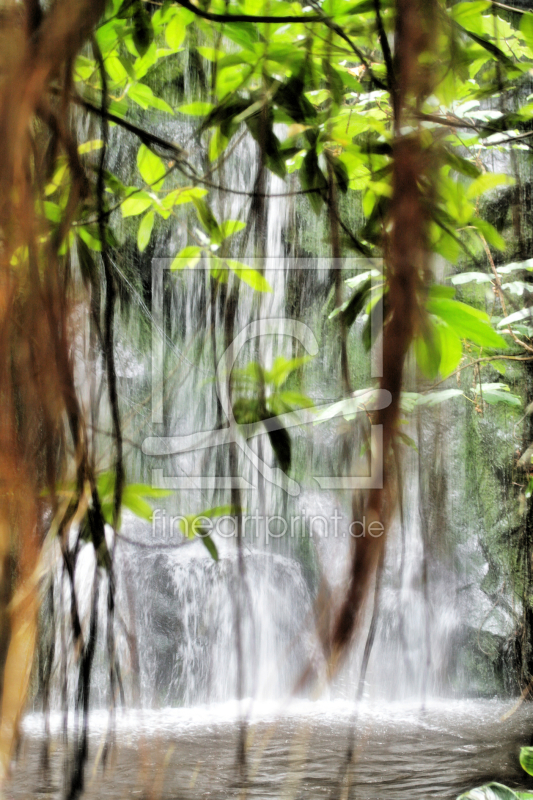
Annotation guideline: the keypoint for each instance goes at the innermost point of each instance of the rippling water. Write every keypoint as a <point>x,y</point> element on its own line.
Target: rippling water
<point>400,751</point>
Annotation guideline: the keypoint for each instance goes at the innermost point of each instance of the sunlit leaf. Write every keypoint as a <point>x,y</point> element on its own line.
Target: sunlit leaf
<point>466,321</point>
<point>145,230</point>
<point>90,146</point>
<point>451,349</point>
<point>249,276</point>
<point>175,32</point>
<point>486,182</point>
<point>135,205</point>
<point>230,227</point>
<point>188,257</point>
<point>198,109</point>
<point>151,167</point>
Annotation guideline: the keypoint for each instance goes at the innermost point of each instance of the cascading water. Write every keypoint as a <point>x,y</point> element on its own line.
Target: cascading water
<point>184,608</point>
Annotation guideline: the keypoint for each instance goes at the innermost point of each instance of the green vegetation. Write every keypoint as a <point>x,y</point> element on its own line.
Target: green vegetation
<point>401,142</point>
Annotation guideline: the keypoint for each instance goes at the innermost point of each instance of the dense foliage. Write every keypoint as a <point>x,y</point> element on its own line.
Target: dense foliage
<point>424,163</point>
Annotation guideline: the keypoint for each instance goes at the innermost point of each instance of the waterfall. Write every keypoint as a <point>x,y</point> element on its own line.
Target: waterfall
<point>173,599</point>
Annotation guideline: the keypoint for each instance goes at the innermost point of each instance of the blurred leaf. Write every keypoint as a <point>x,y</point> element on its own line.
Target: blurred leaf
<point>486,182</point>
<point>143,33</point>
<point>90,146</point>
<point>351,309</point>
<point>145,98</point>
<point>188,257</point>
<point>282,368</point>
<point>92,241</point>
<point>151,167</point>
<point>467,322</point>
<point>146,490</point>
<point>208,219</point>
<point>489,232</point>
<point>230,227</point>
<point>428,351</point>
<point>198,109</point>
<point>250,276</point>
<point>247,411</point>
<point>210,546</point>
<point>451,349</point>
<point>132,206</point>
<point>145,230</point>
<point>175,32</point>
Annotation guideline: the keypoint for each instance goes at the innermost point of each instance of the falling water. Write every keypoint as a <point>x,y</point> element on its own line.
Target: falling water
<point>177,608</point>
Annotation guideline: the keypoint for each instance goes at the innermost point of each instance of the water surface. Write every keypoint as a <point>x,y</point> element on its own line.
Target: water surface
<point>401,750</point>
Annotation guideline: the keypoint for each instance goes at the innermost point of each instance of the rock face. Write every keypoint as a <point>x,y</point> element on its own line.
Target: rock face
<point>186,619</point>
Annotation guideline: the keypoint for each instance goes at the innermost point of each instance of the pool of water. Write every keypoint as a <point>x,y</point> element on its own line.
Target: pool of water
<point>399,750</point>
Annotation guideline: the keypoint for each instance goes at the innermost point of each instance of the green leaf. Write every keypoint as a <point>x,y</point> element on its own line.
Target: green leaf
<point>151,167</point>
<point>250,276</point>
<point>487,182</point>
<point>526,28</point>
<point>145,490</point>
<point>188,257</point>
<point>217,144</point>
<point>451,349</point>
<point>115,69</point>
<point>136,205</point>
<point>247,411</point>
<point>208,219</point>
<point>282,368</point>
<point>180,196</point>
<point>230,227</point>
<point>175,32</point>
<point>91,241</point>
<point>295,399</point>
<point>90,146</point>
<point>356,303</point>
<point>428,351</point>
<point>467,322</point>
<point>526,753</point>
<point>52,211</point>
<point>436,398</point>
<point>145,98</point>
<point>145,230</point>
<point>489,232</point>
<point>460,164</point>
<point>210,546</point>
<point>493,396</point>
<point>196,109</point>
<point>209,53</point>
<point>137,505</point>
